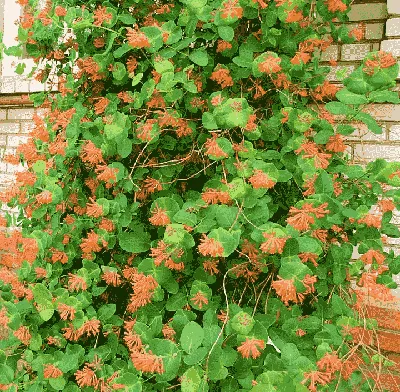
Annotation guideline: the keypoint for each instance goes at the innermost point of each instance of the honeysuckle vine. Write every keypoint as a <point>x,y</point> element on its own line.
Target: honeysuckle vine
<point>187,215</point>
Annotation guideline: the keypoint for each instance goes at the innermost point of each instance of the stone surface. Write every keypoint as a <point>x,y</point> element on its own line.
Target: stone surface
<point>352,52</point>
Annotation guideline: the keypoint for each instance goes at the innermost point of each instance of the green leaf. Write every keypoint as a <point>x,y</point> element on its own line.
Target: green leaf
<point>134,242</point>
<point>229,240</point>
<point>106,311</point>
<point>226,33</point>
<point>384,96</point>
<point>370,122</point>
<point>199,57</point>
<point>57,383</point>
<point>338,108</point>
<point>119,71</point>
<point>192,336</point>
<point>171,356</point>
<point>208,121</point>
<point>113,131</point>
<point>175,302</point>
<point>348,97</point>
<point>190,380</point>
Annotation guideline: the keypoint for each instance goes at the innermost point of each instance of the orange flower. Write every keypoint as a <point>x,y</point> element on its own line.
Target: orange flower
<point>329,363</point>
<point>90,327</point>
<point>371,220</point>
<point>86,378</point>
<point>107,225</point>
<point>301,332</point>
<point>40,273</point>
<point>308,282</point>
<point>285,289</point>
<point>210,247</point>
<point>213,196</point>
<point>45,197</point>
<point>336,144</point>
<point>199,299</point>
<point>223,45</point>
<point>213,148</point>
<point>91,154</point>
<point>261,180</point>
<point>106,174</point>
<point>66,312</point>
<point>231,9</point>
<point>101,15</point>
<point>273,244</point>
<point>131,64</point>
<point>261,3</point>
<point>101,105</point>
<point>60,11</point>
<point>270,65</point>
<point>147,362</point>
<point>58,255</point>
<point>386,205</point>
<point>372,254</point>
<point>4,320</point>
<point>51,371</point>
<point>211,266</point>
<point>168,332</point>
<point>307,256</point>
<point>300,220</point>
<point>76,283</point>
<point>250,348</point>
<point>159,217</point>
<point>137,39</point>
<point>23,334</point>
<point>90,244</point>
<point>222,77</point>
<point>112,278</point>
<point>315,377</point>
<point>93,209</point>
<point>294,16</point>
<point>99,42</point>
<point>336,5</point>
<point>326,90</point>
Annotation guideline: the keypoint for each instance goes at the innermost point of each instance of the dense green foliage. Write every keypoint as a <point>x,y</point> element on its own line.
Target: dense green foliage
<point>188,213</point>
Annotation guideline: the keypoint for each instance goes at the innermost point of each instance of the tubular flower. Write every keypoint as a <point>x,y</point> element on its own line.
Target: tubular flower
<point>315,377</point>
<point>90,327</point>
<point>86,378</point>
<point>45,197</point>
<point>307,256</point>
<point>372,255</point>
<point>329,363</point>
<point>210,247</point>
<point>336,5</point>
<point>101,15</point>
<point>137,39</point>
<point>66,312</point>
<point>159,217</point>
<point>250,348</point>
<point>212,148</point>
<point>270,65</point>
<point>273,244</point>
<point>214,196</point>
<point>199,299</point>
<point>285,289</point>
<point>147,362</point>
<point>261,180</point>
<point>23,334</point>
<point>300,220</point>
<point>91,154</point>
<point>112,278</point>
<point>76,283</point>
<point>93,209</point>
<point>51,371</point>
<point>222,77</point>
<point>231,9</point>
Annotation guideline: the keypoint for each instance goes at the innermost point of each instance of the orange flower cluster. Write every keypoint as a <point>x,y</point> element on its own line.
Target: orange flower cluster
<point>90,67</point>
<point>210,247</point>
<point>137,39</point>
<point>286,290</point>
<point>270,65</point>
<point>112,278</point>
<point>159,217</point>
<point>143,289</point>
<point>18,288</point>
<point>336,144</point>
<point>336,5</point>
<point>15,249</point>
<point>313,151</point>
<point>91,244</point>
<point>66,312</point>
<point>222,77</point>
<point>250,348</point>
<point>273,244</point>
<point>93,209</point>
<point>101,15</point>
<point>212,147</point>
<point>301,220</point>
<point>326,90</point>
<point>101,105</point>
<point>261,180</point>
<point>51,371</point>
<point>23,334</point>
<point>231,9</point>
<point>214,196</point>
<point>199,299</point>
<point>168,255</point>
<point>107,174</point>
<point>378,60</point>
<point>294,16</point>
<point>223,45</point>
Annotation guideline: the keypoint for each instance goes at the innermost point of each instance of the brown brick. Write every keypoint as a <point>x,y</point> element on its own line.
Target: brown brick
<point>331,53</point>
<point>392,46</point>
<point>20,114</point>
<point>374,31</point>
<point>9,127</point>
<point>368,11</point>
<point>353,52</point>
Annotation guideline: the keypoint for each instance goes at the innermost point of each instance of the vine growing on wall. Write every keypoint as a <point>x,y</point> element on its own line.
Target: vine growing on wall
<point>188,212</point>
